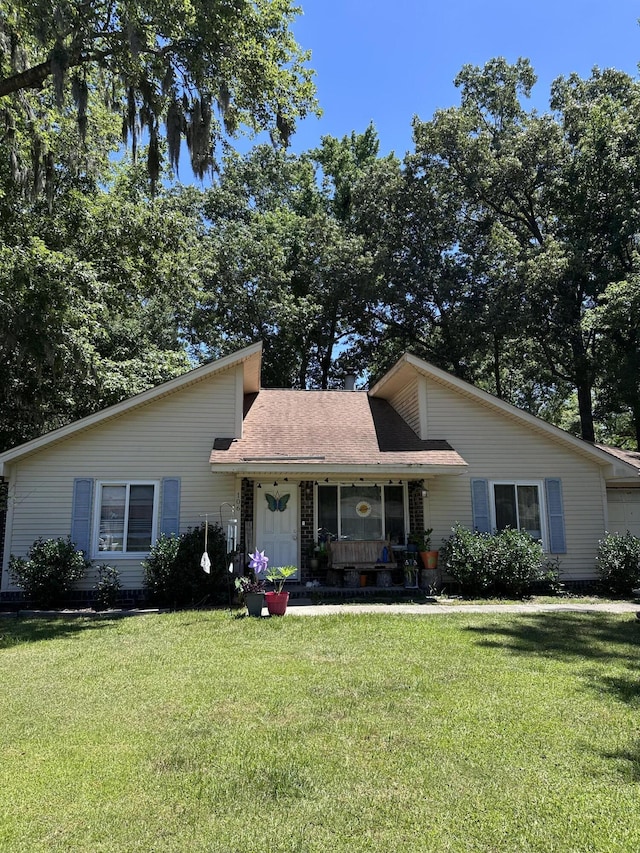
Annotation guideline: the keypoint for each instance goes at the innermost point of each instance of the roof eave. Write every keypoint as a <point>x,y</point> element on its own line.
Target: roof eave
<point>622,477</point>
<point>315,469</point>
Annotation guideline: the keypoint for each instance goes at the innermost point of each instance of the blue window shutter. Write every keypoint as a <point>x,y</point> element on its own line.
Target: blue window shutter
<point>81,514</point>
<point>170,519</point>
<point>480,506</point>
<point>555,516</point>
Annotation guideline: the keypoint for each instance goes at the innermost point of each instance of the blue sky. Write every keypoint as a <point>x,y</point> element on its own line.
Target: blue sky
<point>386,62</point>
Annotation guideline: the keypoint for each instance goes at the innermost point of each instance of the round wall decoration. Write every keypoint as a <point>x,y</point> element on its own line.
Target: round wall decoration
<point>363,509</point>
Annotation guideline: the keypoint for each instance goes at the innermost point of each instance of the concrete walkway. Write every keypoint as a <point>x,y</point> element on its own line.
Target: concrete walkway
<point>304,607</point>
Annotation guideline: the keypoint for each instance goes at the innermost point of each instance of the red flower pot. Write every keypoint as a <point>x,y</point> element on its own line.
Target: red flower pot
<point>277,603</point>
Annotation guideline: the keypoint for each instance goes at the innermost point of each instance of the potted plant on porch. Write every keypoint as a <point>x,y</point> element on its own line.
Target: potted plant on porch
<point>278,599</point>
<point>423,541</point>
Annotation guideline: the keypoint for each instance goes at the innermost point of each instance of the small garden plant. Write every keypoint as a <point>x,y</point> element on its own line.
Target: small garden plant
<point>422,540</point>
<point>107,588</point>
<point>254,581</point>
<point>277,575</point>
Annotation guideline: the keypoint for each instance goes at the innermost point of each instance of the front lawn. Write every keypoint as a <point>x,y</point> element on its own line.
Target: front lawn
<point>206,732</point>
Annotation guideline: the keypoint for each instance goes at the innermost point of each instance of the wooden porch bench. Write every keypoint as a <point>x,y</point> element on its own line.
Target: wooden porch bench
<point>353,556</point>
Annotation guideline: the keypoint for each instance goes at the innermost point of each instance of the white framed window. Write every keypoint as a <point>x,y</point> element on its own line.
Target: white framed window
<point>125,518</point>
<point>363,511</point>
<point>520,506</point>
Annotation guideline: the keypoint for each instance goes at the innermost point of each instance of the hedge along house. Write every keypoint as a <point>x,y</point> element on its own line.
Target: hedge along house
<point>420,449</point>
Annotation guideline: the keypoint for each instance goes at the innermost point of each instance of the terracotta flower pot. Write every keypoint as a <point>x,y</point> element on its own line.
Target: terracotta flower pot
<point>429,559</point>
<point>277,603</point>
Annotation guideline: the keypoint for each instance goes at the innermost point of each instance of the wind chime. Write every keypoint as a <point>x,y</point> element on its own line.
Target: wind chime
<point>205,562</point>
<point>231,539</point>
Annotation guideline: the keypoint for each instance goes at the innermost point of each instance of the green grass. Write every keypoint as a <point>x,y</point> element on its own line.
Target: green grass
<point>207,732</point>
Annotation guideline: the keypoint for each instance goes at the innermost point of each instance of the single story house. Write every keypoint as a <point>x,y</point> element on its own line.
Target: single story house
<point>420,449</point>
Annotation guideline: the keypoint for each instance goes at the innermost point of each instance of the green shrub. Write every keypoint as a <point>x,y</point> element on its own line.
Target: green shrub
<point>50,572</point>
<point>508,562</point>
<point>106,588</point>
<point>618,562</point>
<point>174,577</point>
<point>517,562</point>
<point>464,558</point>
<point>159,571</point>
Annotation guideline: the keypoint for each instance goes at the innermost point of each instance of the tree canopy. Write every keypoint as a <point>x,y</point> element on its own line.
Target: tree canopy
<point>504,247</point>
<point>186,70</point>
<point>565,187</point>
<point>283,267</point>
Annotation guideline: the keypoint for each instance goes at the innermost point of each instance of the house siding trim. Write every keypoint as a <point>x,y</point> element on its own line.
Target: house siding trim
<point>423,408</point>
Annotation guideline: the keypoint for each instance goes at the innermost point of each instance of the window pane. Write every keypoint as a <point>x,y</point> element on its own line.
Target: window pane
<point>140,518</point>
<point>361,512</point>
<point>529,510</point>
<point>506,516</point>
<point>328,512</point>
<point>394,514</point>
<point>111,534</point>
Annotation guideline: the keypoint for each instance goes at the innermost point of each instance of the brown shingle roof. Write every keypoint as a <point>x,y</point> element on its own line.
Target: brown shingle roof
<point>328,428</point>
<point>632,457</point>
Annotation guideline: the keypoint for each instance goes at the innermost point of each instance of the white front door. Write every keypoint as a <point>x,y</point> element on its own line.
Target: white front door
<point>277,523</point>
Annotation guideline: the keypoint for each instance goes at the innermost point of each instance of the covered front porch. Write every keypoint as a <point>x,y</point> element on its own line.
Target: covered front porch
<point>339,533</point>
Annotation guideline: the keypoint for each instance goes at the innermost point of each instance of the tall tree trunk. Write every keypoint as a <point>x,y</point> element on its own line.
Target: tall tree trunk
<point>584,385</point>
<point>585,409</point>
<point>635,414</point>
<point>326,367</point>
<point>325,361</point>
<point>302,372</point>
<point>496,366</point>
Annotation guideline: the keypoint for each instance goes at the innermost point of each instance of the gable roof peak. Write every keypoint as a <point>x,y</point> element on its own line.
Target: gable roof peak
<point>250,356</point>
<point>408,365</point>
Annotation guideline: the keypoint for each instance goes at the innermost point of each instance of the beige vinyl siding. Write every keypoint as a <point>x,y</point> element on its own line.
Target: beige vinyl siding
<point>497,447</point>
<point>169,437</point>
<point>624,511</point>
<point>406,403</point>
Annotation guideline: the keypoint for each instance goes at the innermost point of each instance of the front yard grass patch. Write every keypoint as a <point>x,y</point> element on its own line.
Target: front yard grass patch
<point>201,731</point>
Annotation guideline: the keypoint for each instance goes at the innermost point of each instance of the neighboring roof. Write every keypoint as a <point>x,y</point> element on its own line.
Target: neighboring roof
<point>407,366</point>
<point>631,457</point>
<point>249,356</point>
<point>331,430</point>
